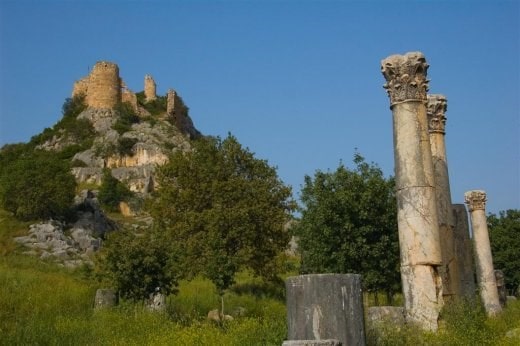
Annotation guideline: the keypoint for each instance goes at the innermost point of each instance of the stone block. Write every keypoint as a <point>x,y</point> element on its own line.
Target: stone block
<point>105,297</point>
<point>328,342</point>
<point>324,307</point>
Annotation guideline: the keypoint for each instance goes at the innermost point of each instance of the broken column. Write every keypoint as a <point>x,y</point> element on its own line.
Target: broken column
<point>325,307</point>
<point>415,188</point>
<point>464,251</point>
<point>476,201</point>
<point>436,112</point>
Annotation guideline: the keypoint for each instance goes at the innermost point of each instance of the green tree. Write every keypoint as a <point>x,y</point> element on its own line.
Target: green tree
<point>112,192</point>
<point>138,263</point>
<point>504,233</point>
<point>223,209</point>
<point>349,225</point>
<point>35,184</point>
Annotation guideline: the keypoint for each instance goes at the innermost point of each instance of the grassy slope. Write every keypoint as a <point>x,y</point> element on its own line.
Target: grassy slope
<point>41,303</point>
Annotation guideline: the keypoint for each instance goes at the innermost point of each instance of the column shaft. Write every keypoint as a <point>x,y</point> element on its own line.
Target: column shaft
<point>417,207</point>
<point>437,107</point>
<point>483,258</point>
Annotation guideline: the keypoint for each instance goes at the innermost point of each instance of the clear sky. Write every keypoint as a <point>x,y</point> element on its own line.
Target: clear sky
<point>298,82</point>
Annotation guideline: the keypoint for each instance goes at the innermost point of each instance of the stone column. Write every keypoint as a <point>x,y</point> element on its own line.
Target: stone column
<point>476,201</point>
<point>415,188</point>
<point>325,307</point>
<point>464,251</point>
<point>436,110</point>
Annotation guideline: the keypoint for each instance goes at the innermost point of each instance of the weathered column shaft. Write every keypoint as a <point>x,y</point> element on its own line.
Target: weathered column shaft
<point>325,306</point>
<point>464,251</point>
<point>476,201</point>
<point>449,271</point>
<point>417,208</point>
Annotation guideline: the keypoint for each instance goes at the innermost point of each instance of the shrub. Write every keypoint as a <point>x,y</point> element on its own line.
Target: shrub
<point>136,265</point>
<point>112,191</point>
<point>125,145</point>
<point>127,117</point>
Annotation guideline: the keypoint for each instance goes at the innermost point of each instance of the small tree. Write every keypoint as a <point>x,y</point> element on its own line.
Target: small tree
<point>504,233</point>
<point>349,225</point>
<point>223,209</point>
<point>137,264</point>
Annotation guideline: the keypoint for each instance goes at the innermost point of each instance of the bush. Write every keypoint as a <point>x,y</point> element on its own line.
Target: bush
<point>112,192</point>
<point>126,145</point>
<point>126,119</point>
<point>136,265</point>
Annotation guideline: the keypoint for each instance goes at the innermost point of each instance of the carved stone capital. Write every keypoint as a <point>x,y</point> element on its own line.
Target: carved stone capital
<point>405,77</point>
<point>436,109</point>
<point>475,199</point>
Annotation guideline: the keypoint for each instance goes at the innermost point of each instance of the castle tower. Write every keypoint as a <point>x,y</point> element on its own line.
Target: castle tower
<point>149,88</point>
<point>170,102</point>
<point>104,87</point>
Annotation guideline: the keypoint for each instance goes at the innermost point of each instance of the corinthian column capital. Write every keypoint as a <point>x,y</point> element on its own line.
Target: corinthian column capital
<point>475,199</point>
<point>405,77</point>
<point>436,110</point>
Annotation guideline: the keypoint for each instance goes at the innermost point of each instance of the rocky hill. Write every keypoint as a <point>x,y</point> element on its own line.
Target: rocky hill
<point>128,133</point>
<point>106,126</point>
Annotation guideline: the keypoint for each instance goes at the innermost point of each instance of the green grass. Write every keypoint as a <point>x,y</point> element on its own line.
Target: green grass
<point>44,304</point>
<point>462,323</point>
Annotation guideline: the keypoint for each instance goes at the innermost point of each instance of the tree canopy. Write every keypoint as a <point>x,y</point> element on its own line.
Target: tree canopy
<point>35,184</point>
<point>223,210</point>
<point>349,225</point>
<point>504,233</point>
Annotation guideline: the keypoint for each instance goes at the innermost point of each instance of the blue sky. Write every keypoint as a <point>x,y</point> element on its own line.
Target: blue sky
<point>298,82</point>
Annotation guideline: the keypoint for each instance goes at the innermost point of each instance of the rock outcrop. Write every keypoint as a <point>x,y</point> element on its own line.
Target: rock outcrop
<point>70,244</point>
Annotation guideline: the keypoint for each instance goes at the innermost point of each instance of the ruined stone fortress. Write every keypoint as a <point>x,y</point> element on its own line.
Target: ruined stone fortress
<point>103,88</point>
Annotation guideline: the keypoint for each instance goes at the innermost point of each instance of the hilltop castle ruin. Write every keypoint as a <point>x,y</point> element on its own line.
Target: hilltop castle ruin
<point>103,88</point>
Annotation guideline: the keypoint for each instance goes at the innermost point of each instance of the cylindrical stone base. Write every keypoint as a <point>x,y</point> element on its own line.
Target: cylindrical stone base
<point>105,298</point>
<point>422,287</point>
<point>311,343</point>
<point>325,306</point>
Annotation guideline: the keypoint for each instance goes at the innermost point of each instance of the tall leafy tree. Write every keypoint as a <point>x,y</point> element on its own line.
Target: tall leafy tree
<point>35,184</point>
<point>504,233</point>
<point>223,210</point>
<point>349,225</point>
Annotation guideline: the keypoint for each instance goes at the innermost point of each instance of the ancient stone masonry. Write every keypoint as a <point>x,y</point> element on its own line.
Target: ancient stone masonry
<point>325,309</point>
<point>476,201</point>
<point>464,251</point>
<point>149,88</point>
<point>406,84</point>
<point>436,110</point>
